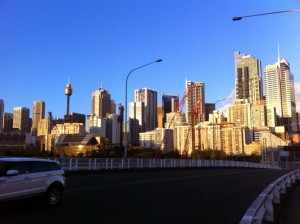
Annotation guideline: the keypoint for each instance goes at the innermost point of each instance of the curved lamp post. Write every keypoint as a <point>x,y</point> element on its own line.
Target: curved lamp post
<point>126,137</point>
<point>262,14</point>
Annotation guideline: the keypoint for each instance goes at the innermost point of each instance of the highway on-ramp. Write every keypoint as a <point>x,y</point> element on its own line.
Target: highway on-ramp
<point>206,195</point>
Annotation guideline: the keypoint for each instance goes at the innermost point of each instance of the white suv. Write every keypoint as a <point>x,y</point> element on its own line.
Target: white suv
<point>25,177</point>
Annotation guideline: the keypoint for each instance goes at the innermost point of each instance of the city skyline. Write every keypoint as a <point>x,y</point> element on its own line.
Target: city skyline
<point>96,44</point>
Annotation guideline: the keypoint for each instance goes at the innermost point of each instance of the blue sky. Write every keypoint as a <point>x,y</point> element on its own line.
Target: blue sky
<point>94,43</point>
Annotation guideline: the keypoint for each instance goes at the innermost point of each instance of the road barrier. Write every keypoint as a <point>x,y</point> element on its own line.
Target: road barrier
<point>262,208</point>
<point>75,164</point>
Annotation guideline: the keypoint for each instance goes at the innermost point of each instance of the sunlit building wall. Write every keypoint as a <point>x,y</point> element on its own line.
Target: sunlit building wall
<point>149,98</point>
<point>147,139</point>
<point>239,113</point>
<point>196,96</point>
<point>68,128</point>
<point>174,119</point>
<point>280,94</point>
<point>21,119</point>
<point>248,81</point>
<point>38,114</point>
<point>101,103</point>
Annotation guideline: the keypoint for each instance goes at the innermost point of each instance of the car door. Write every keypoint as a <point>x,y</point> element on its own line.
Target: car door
<point>16,185</point>
<point>40,174</point>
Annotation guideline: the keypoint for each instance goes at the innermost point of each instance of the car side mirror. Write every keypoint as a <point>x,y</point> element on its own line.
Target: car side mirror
<point>12,172</point>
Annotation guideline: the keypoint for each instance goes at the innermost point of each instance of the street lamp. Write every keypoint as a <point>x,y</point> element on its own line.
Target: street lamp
<point>262,14</point>
<point>126,138</point>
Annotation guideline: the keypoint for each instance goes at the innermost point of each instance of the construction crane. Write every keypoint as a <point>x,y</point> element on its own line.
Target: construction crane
<point>177,112</point>
<point>193,116</point>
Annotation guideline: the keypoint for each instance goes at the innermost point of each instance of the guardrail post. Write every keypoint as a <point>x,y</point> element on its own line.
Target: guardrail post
<point>269,216</point>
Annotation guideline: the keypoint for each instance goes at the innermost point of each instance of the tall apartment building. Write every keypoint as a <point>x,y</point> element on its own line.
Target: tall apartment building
<point>137,112</point>
<point>112,129</point>
<point>38,114</point>
<point>101,103</point>
<point>196,96</point>
<point>170,103</point>
<point>1,115</point>
<point>21,119</point>
<point>280,94</point>
<point>8,122</point>
<point>239,113</point>
<point>248,81</point>
<point>149,98</point>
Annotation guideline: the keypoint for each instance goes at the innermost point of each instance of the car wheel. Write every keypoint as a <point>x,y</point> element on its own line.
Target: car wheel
<point>53,195</point>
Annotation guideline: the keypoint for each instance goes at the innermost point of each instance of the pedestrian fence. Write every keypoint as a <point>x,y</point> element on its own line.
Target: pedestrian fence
<point>262,209</point>
<point>78,164</point>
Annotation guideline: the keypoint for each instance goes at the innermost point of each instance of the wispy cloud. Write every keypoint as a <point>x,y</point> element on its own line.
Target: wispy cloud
<point>225,103</point>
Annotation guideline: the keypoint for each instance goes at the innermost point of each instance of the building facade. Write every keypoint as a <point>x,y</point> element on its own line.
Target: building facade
<point>248,81</point>
<point>38,114</point>
<point>170,103</point>
<point>280,94</point>
<point>149,98</point>
<point>101,103</point>
<point>195,100</point>
<point>21,120</point>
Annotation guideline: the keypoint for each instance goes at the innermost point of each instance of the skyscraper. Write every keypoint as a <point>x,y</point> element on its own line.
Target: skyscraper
<point>196,98</point>
<point>149,97</point>
<point>101,103</point>
<point>280,94</point>
<point>38,114</point>
<point>248,81</point>
<point>170,104</point>
<point>21,119</point>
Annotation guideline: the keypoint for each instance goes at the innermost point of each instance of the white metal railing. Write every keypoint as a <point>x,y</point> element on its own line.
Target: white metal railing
<point>74,164</point>
<point>262,208</point>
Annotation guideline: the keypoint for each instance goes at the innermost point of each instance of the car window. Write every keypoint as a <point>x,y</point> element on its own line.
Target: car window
<point>38,166</point>
<point>22,167</point>
<point>53,166</point>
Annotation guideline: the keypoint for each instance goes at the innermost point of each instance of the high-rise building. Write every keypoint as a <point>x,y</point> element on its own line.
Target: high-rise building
<point>239,113</point>
<point>195,97</point>
<point>8,122</point>
<point>248,81</point>
<point>101,103</point>
<point>38,114</point>
<point>258,114</point>
<point>21,119</point>
<point>280,94</point>
<point>1,115</point>
<point>149,98</point>
<point>170,104</point>
<point>136,112</point>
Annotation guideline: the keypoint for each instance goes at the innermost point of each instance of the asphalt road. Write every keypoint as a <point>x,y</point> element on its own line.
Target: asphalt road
<point>149,196</point>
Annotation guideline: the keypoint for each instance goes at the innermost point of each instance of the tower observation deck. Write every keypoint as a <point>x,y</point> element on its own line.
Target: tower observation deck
<point>68,93</point>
